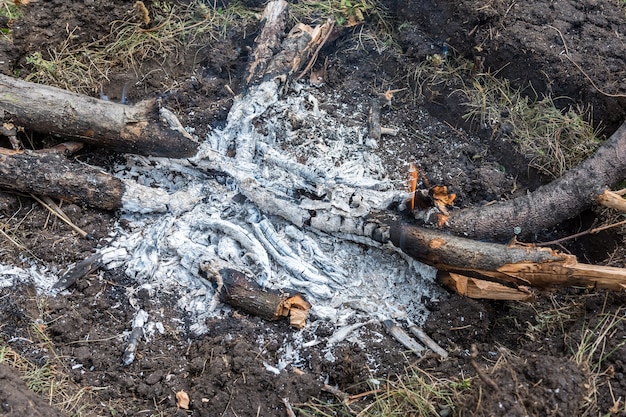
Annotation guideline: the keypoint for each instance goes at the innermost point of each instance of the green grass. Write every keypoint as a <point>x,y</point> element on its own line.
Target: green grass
<point>553,139</point>
<point>10,10</point>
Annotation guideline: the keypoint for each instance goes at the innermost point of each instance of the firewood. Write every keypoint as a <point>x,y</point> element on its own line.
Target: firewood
<point>268,41</point>
<point>243,293</point>
<point>51,174</point>
<point>142,128</point>
<point>550,204</point>
<point>480,288</point>
<point>468,262</point>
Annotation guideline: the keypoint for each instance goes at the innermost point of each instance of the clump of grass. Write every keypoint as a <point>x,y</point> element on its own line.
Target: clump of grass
<point>416,393</point>
<point>595,346</point>
<point>168,32</point>
<point>349,14</point>
<point>344,12</point>
<point>554,140</point>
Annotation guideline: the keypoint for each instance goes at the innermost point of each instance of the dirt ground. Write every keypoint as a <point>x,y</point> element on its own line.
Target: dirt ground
<point>539,354</point>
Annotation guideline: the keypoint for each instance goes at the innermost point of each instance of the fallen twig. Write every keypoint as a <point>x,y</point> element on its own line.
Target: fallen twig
<point>56,210</point>
<point>403,337</point>
<point>479,370</point>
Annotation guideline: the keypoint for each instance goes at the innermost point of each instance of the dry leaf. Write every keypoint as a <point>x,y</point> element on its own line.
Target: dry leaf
<point>182,400</point>
<point>441,198</point>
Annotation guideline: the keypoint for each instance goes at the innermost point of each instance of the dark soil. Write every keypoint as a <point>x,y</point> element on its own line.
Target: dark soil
<point>526,349</point>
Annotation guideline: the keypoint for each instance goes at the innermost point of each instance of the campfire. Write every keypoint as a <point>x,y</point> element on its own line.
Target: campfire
<point>283,212</point>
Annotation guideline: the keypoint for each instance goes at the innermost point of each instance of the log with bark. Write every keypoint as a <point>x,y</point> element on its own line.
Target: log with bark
<point>51,174</point>
<point>144,128</point>
<point>241,292</point>
<point>490,270</point>
<point>561,199</point>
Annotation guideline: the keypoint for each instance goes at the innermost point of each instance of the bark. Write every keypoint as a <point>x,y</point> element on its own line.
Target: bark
<point>245,294</point>
<point>142,128</point>
<point>550,204</point>
<point>514,265</point>
<point>52,175</point>
<point>267,44</point>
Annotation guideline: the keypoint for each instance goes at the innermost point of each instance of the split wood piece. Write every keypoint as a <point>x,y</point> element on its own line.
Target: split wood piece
<point>375,129</point>
<point>142,128</point>
<point>514,266</point>
<point>480,288</point>
<point>612,200</point>
<point>563,198</point>
<point>245,294</point>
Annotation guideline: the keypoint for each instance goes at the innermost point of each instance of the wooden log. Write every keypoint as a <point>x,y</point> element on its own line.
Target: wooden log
<point>550,204</point>
<point>142,128</point>
<point>515,265</point>
<point>51,174</point>
<point>245,294</point>
<point>268,43</point>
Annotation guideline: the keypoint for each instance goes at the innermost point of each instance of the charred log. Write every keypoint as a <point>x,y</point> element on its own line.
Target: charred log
<point>245,294</point>
<point>516,265</point>
<point>51,174</point>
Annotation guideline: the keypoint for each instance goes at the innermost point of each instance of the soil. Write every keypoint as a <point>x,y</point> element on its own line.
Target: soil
<point>525,350</point>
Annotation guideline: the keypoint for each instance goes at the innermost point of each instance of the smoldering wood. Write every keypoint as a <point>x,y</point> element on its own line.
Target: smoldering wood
<point>51,174</point>
<point>561,199</point>
<point>514,265</point>
<point>142,128</point>
<point>245,294</point>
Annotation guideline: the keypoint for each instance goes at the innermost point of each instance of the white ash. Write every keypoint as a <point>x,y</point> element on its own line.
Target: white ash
<point>184,219</point>
<point>210,225</point>
<point>40,277</point>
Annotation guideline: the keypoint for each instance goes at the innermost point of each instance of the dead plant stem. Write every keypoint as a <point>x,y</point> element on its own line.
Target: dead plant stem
<point>586,232</point>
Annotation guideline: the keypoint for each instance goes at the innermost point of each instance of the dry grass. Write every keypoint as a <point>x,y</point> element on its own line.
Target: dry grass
<point>596,345</point>
<point>554,140</point>
<point>349,14</point>
<point>172,30</point>
<point>415,393</point>
<point>48,376</point>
